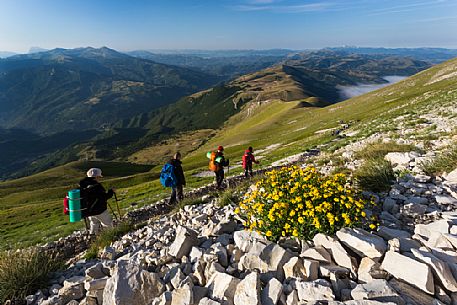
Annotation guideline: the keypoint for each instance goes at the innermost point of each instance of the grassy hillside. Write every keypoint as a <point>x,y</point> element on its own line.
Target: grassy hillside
<point>30,208</point>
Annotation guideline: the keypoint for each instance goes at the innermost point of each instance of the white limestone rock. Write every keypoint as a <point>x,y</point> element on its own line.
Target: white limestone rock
<point>378,290</point>
<point>222,287</point>
<point>362,242</point>
<point>73,289</point>
<point>441,226</point>
<point>272,292</point>
<point>183,295</point>
<point>318,290</point>
<point>440,268</point>
<point>369,270</point>
<point>183,243</point>
<point>248,290</point>
<point>317,253</point>
<point>206,301</point>
<point>246,240</point>
<point>130,284</point>
<point>409,270</point>
<point>388,233</point>
<point>398,158</point>
<point>275,257</point>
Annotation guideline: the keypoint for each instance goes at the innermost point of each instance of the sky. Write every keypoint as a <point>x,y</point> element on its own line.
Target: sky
<point>226,24</point>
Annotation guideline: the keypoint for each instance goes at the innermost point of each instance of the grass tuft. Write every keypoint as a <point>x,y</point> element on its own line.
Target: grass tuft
<point>375,175</point>
<point>106,237</point>
<point>445,162</point>
<point>23,272</point>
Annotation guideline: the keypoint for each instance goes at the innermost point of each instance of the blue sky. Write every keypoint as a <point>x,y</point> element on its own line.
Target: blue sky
<point>226,24</point>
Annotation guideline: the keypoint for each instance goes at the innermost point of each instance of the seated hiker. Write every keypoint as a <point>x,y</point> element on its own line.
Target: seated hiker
<point>248,159</point>
<point>177,191</point>
<point>217,163</point>
<point>96,200</point>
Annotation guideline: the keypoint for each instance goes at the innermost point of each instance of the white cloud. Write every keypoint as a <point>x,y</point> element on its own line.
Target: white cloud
<point>268,5</point>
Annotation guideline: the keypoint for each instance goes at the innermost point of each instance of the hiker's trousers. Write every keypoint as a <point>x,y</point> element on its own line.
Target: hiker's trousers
<point>176,194</point>
<point>104,219</point>
<point>219,177</point>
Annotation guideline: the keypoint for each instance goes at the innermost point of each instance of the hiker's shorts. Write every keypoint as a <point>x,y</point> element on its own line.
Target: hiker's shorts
<point>104,219</point>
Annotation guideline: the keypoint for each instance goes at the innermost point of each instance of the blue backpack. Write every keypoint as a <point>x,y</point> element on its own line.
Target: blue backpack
<point>167,176</point>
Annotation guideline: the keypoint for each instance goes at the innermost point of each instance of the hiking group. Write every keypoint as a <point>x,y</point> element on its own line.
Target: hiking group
<point>92,198</point>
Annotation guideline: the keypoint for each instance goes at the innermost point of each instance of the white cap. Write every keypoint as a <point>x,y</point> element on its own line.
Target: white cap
<point>94,172</point>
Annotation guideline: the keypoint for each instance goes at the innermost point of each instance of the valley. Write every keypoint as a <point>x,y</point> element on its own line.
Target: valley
<point>291,127</point>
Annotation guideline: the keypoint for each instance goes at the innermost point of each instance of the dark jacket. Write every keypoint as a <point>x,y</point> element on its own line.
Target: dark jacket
<point>178,171</point>
<point>94,196</point>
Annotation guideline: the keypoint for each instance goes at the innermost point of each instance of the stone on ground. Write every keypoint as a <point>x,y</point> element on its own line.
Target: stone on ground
<point>409,270</point>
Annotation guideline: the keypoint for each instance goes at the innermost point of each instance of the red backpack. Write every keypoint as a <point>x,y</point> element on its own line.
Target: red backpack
<point>66,210</point>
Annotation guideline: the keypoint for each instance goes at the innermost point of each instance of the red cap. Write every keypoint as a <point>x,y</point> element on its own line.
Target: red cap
<point>220,148</point>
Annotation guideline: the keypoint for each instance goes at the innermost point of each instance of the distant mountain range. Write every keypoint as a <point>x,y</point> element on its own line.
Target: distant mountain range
<point>433,55</point>
<point>78,89</point>
<point>4,54</point>
<point>63,105</point>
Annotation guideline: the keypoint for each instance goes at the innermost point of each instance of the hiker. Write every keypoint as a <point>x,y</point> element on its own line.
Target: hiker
<point>96,199</point>
<point>248,159</point>
<point>177,191</point>
<point>217,163</point>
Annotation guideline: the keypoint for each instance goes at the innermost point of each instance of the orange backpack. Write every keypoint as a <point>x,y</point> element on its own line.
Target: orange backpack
<point>213,166</point>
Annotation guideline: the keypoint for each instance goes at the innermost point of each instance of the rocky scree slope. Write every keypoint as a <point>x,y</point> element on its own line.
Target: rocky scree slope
<point>202,255</point>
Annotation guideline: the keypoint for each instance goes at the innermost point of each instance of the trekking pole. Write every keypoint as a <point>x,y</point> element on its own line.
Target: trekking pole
<point>112,211</point>
<point>117,205</point>
<point>85,222</point>
<point>227,179</point>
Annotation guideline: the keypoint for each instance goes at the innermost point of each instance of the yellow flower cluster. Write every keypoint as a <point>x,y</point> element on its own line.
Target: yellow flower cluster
<point>301,202</point>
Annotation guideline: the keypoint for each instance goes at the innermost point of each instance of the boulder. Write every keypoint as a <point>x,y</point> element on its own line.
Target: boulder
<point>248,290</point>
<point>445,200</point>
<point>318,290</point>
<point>370,270</point>
<point>413,209</point>
<point>97,271</point>
<point>438,240</point>
<point>297,268</point>
<point>441,226</point>
<point>73,289</point>
<point>398,158</point>
<point>275,256</point>
<point>411,294</point>
<point>317,253</point>
<point>183,295</point>
<point>271,293</point>
<point>378,290</point>
<point>130,284</point>
<point>452,239</point>
<point>451,177</point>
<point>388,233</point>
<point>409,270</point>
<point>362,242</point>
<point>403,244</point>
<point>246,240</point>
<point>97,284</point>
<point>183,243</point>
<point>222,287</point>
<point>361,302</point>
<point>206,301</point>
<point>440,268</point>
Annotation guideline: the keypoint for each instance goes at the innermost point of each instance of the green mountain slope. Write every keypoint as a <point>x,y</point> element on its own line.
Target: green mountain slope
<point>87,88</point>
<point>30,207</point>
